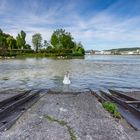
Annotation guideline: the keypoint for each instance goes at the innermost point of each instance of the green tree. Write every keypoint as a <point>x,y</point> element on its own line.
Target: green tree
<point>3,43</point>
<point>80,48</point>
<point>27,46</point>
<point>21,43</point>
<point>36,40</point>
<point>11,42</point>
<point>54,40</point>
<point>61,39</point>
<point>46,44</point>
<point>1,31</point>
<point>23,36</point>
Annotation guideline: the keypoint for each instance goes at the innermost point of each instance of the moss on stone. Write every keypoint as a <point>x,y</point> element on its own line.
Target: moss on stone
<point>62,123</point>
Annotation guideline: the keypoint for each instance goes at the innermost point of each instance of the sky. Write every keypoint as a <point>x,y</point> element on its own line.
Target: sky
<point>98,24</point>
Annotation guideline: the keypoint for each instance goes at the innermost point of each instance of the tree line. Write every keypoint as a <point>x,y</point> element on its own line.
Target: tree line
<point>61,43</point>
<point>8,42</point>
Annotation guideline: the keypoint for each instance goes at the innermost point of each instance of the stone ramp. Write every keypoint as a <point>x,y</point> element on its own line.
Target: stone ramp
<point>66,117</point>
<point>5,94</point>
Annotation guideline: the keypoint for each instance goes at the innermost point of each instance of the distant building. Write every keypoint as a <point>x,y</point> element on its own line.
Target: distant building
<point>113,52</point>
<point>130,52</point>
<point>97,52</point>
<point>106,52</point>
<point>138,51</point>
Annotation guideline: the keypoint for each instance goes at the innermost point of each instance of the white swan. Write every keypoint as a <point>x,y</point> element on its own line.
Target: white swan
<point>66,79</point>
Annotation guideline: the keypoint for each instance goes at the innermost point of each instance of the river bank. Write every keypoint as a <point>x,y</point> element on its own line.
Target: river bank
<point>67,116</point>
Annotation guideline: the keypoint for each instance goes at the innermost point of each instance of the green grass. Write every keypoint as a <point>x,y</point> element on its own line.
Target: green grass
<point>49,55</point>
<point>71,132</point>
<point>62,123</point>
<point>112,108</point>
<point>51,118</point>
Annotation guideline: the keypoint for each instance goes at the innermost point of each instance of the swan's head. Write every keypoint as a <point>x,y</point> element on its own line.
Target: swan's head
<point>66,78</point>
<point>67,73</point>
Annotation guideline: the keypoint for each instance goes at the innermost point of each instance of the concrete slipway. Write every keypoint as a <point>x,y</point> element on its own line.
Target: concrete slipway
<point>66,117</point>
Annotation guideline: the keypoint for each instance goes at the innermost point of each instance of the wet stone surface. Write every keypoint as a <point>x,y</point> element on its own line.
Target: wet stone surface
<point>4,94</point>
<point>82,113</point>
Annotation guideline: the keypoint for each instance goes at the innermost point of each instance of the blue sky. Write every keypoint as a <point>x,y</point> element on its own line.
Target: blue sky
<point>98,24</point>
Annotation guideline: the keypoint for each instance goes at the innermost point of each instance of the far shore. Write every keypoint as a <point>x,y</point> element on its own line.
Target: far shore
<point>62,56</point>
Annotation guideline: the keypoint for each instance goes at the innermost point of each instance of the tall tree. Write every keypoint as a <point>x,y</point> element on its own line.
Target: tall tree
<point>27,46</point>
<point>21,42</point>
<point>18,41</point>
<point>61,39</point>
<point>36,40</point>
<point>54,40</point>
<point>46,44</point>
<point>23,36</point>
<point>3,43</point>
<point>1,31</point>
<point>11,42</point>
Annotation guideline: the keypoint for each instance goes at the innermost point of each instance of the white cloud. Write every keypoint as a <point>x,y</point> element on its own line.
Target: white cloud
<point>102,26</point>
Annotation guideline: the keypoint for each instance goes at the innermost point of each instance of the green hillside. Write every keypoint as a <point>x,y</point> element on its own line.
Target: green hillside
<point>124,49</point>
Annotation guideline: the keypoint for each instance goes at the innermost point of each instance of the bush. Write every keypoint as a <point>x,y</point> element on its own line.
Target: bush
<point>23,51</point>
<point>112,108</point>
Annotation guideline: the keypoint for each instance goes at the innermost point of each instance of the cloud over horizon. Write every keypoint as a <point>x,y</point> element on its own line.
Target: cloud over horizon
<point>98,24</point>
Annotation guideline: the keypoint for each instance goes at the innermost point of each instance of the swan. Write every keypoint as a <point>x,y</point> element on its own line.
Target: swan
<point>66,79</point>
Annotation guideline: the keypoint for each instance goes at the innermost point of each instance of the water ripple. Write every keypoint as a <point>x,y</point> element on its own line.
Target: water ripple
<point>95,72</point>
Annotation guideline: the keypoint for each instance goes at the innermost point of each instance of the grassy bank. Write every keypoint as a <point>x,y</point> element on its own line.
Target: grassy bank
<point>31,53</point>
<point>50,55</point>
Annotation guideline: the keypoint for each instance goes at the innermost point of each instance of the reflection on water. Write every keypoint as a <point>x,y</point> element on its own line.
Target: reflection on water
<point>95,72</point>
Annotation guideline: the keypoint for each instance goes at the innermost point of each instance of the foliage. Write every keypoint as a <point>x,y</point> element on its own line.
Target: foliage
<point>28,47</point>
<point>46,44</point>
<point>78,49</point>
<point>3,43</point>
<point>21,43</point>
<point>61,44</point>
<point>9,45</point>
<point>11,42</point>
<point>62,40</point>
<point>36,40</point>
<point>112,108</point>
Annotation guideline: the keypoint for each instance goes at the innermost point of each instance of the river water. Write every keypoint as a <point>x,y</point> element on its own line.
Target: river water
<point>95,72</point>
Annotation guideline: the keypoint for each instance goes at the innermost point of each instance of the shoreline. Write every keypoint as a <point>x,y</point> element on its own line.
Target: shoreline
<point>61,56</point>
<point>42,56</point>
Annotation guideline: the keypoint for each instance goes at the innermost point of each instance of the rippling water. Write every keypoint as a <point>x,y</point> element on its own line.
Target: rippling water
<point>95,72</point>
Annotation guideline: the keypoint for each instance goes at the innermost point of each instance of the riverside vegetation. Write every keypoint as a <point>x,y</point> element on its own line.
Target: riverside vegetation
<point>112,108</point>
<point>61,44</point>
